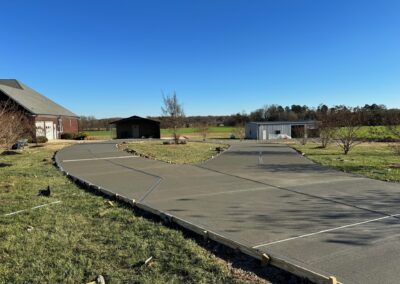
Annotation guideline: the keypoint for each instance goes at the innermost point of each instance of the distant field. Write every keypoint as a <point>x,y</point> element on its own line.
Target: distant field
<point>100,134</point>
<point>374,132</point>
<point>193,130</point>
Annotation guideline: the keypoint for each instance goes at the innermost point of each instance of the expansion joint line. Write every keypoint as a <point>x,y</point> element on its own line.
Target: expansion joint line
<point>302,193</point>
<point>151,188</point>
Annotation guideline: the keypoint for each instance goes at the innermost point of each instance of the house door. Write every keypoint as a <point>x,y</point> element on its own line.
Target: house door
<point>135,131</point>
<point>264,134</point>
<point>49,126</point>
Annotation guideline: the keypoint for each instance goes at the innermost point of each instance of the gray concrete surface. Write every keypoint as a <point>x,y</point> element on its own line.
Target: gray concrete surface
<point>265,197</point>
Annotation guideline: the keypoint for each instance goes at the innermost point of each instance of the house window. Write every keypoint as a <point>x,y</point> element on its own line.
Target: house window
<point>277,132</point>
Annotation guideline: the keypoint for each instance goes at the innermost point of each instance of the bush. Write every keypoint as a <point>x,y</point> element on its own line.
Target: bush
<point>40,139</point>
<point>80,136</point>
<point>67,136</point>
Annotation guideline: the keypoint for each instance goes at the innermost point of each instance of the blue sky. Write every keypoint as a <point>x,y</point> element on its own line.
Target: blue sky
<point>113,58</point>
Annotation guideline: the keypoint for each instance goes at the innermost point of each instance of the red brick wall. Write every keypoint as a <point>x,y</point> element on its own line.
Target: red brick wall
<point>69,124</point>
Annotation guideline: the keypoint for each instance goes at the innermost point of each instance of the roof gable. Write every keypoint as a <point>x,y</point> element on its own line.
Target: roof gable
<point>134,118</point>
<point>31,100</point>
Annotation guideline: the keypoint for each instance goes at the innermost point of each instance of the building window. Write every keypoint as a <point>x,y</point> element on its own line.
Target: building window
<point>277,132</point>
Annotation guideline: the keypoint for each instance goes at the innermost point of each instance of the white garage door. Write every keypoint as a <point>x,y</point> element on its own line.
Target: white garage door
<point>46,128</point>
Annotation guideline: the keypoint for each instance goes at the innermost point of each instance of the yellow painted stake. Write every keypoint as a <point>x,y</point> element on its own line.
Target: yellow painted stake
<point>265,259</point>
<point>332,280</point>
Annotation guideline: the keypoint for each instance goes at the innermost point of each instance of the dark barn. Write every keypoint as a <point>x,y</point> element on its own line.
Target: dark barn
<point>136,127</point>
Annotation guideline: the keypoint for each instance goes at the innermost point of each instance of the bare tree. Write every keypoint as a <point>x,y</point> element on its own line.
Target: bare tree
<point>174,114</point>
<point>203,130</point>
<point>14,124</point>
<point>240,131</point>
<point>393,126</point>
<point>326,128</point>
<point>347,125</point>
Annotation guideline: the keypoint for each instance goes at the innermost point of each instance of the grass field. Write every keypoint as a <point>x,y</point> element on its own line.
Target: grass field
<point>374,132</point>
<point>99,134</point>
<point>84,236</point>
<point>375,160</point>
<point>190,153</point>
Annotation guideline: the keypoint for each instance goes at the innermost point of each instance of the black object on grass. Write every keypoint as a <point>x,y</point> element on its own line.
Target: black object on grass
<point>45,192</point>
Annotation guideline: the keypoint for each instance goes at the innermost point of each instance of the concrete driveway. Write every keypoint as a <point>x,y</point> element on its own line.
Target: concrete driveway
<point>262,198</point>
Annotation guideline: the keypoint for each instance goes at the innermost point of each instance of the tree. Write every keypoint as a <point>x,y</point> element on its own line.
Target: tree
<point>347,124</point>
<point>393,126</point>
<point>174,114</point>
<point>240,131</point>
<point>14,124</point>
<point>203,130</point>
<point>326,125</point>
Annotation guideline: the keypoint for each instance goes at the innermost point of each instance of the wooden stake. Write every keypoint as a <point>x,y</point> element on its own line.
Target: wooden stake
<point>332,280</point>
<point>265,259</point>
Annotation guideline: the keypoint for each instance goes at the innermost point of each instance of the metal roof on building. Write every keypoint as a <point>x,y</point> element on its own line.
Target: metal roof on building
<point>284,122</point>
<point>31,100</point>
<point>134,118</point>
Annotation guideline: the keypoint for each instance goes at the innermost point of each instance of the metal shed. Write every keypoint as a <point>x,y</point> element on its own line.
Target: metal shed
<point>136,127</point>
<point>281,129</point>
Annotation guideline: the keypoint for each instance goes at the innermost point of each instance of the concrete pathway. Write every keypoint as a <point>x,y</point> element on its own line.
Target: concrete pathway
<point>262,198</point>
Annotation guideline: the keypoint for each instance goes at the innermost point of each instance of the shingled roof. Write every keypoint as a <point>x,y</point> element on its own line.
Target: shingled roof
<point>31,100</point>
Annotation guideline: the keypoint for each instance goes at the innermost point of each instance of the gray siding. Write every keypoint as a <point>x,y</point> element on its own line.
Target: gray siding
<point>251,131</point>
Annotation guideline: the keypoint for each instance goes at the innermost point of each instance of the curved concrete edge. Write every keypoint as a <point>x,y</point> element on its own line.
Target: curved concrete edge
<point>206,234</point>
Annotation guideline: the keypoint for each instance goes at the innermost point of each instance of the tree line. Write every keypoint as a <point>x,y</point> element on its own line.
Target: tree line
<point>368,115</point>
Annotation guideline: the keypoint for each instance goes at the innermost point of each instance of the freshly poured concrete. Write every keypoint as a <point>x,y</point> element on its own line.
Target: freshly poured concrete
<point>265,197</point>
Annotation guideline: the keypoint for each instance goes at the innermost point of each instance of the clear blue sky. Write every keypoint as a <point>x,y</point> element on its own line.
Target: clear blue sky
<point>113,58</point>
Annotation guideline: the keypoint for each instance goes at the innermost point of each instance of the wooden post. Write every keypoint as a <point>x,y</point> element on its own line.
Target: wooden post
<point>332,280</point>
<point>265,259</point>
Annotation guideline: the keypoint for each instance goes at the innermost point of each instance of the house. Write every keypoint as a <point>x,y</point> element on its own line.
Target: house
<point>48,118</point>
<point>281,129</point>
<point>136,127</point>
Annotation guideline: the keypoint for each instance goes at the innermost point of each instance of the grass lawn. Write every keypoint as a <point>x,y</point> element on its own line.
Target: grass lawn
<point>84,235</point>
<point>368,159</point>
<point>374,132</point>
<point>192,132</point>
<point>190,153</point>
<point>99,134</point>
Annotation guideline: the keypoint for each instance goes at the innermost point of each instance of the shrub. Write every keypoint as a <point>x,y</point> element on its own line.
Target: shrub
<point>40,139</point>
<point>80,136</point>
<point>67,136</point>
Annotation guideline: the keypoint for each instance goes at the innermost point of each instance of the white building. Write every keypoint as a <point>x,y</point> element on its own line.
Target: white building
<point>281,129</point>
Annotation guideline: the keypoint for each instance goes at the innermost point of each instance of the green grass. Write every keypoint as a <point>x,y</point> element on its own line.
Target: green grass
<point>368,159</point>
<point>99,134</point>
<point>374,132</point>
<point>83,236</point>
<point>193,130</point>
<point>190,153</point>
